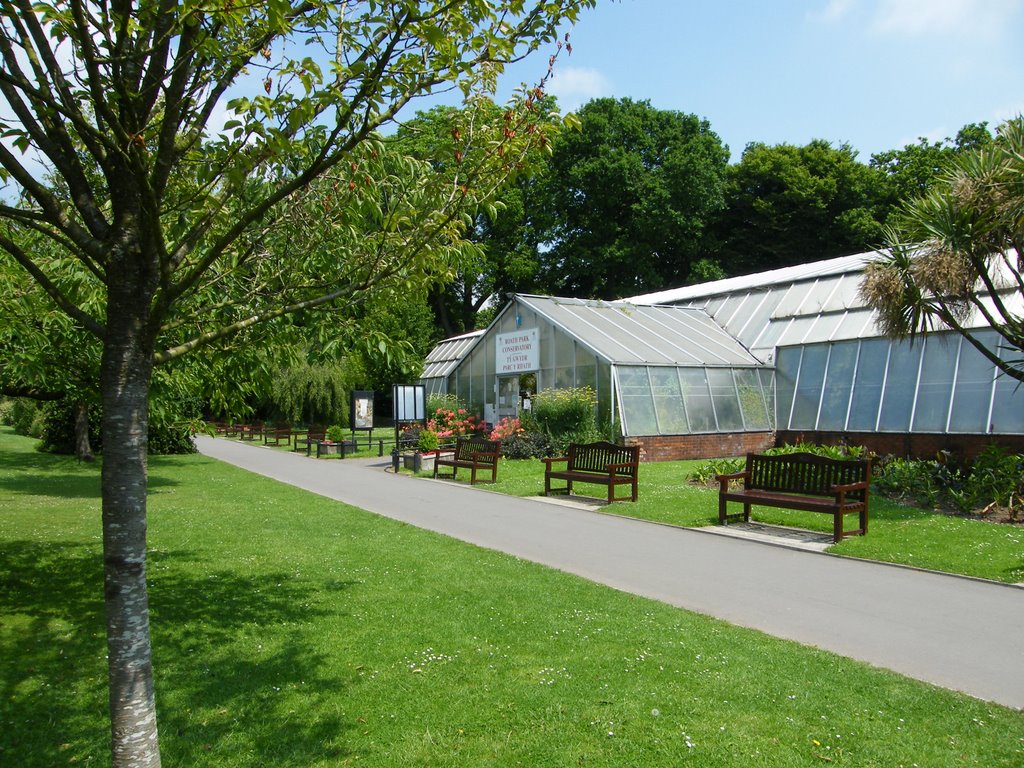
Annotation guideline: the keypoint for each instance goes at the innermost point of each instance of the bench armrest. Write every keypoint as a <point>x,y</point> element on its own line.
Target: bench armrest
<point>840,491</point>
<point>724,480</point>
<point>551,460</point>
<point>613,467</point>
<point>847,487</point>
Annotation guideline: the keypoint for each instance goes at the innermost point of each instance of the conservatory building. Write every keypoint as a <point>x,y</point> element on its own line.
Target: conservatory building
<point>742,364</point>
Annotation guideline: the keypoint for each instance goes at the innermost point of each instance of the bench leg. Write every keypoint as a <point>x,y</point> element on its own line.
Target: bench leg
<point>837,527</point>
<point>864,521</point>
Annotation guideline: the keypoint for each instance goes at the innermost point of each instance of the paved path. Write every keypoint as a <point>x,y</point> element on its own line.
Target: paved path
<point>959,633</point>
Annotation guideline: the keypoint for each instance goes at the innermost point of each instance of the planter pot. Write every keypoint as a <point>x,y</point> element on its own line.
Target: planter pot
<point>419,462</point>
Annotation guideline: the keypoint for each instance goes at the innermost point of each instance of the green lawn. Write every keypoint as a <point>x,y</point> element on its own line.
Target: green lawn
<point>290,630</point>
<point>897,533</point>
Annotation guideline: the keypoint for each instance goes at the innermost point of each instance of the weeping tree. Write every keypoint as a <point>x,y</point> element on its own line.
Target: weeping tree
<point>182,222</point>
<point>955,255</point>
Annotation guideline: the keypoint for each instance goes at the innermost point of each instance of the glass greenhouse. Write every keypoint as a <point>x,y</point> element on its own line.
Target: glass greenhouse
<point>791,350</point>
<point>655,369</point>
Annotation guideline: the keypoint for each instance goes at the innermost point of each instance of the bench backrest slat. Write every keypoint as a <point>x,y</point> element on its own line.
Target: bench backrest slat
<point>595,457</point>
<point>805,473</point>
<point>465,447</point>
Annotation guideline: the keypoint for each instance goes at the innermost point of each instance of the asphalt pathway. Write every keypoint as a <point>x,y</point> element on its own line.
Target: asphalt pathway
<point>959,633</point>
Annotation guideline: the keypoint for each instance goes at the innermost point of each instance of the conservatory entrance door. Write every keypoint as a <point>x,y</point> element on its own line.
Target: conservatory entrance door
<point>508,396</point>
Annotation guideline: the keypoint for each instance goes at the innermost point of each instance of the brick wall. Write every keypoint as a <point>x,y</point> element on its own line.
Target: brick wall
<point>906,445</point>
<point>917,446</point>
<point>709,446</point>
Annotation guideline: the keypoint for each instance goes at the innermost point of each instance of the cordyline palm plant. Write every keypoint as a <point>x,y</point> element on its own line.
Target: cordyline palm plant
<point>955,255</point>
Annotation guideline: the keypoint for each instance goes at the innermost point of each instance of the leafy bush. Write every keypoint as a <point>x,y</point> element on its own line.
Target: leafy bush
<point>428,441</point>
<point>449,423</point>
<point>335,433</point>
<point>26,416</point>
<point>566,416</point>
<point>443,402</point>
<point>705,472</point>
<point>528,445</point>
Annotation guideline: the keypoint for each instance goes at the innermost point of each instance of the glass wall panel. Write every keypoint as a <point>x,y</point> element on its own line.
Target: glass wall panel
<point>936,383</point>
<point>752,399</point>
<point>604,394</point>
<point>477,393</point>
<point>808,387</point>
<point>586,368</point>
<point>726,400</point>
<point>767,379</point>
<point>786,367</point>
<point>972,391</point>
<point>668,401</point>
<point>1008,408</point>
<point>700,411</point>
<point>900,385</point>
<point>835,402</point>
<point>636,400</point>
<point>867,386</point>
<point>565,360</point>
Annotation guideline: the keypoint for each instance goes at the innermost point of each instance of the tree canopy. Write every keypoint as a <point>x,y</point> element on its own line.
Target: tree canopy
<point>627,199</point>
<point>790,205</point>
<point>178,221</point>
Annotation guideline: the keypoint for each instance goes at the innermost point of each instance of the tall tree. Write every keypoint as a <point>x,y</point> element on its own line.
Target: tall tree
<point>176,222</point>
<point>911,171</point>
<point>791,205</point>
<point>507,259</point>
<point>956,257</point>
<point>628,199</point>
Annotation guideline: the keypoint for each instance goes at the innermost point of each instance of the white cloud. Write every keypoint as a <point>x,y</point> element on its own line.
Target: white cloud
<point>965,18</point>
<point>574,86</point>
<point>834,11</point>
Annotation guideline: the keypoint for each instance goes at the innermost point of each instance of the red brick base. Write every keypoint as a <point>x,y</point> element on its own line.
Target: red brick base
<point>671,447</point>
<point>915,446</point>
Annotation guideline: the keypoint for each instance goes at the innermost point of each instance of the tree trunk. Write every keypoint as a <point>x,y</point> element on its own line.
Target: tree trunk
<point>125,381</point>
<point>82,448</point>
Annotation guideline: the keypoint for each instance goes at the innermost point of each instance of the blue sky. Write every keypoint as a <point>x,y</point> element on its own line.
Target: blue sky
<point>876,74</point>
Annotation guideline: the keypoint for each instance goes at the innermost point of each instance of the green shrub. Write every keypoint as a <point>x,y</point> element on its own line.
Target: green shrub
<point>443,402</point>
<point>526,445</point>
<point>335,433</point>
<point>565,416</point>
<point>705,472</point>
<point>26,416</point>
<point>427,441</point>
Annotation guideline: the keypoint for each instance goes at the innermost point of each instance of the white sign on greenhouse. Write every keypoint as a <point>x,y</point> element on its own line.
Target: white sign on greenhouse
<point>517,352</point>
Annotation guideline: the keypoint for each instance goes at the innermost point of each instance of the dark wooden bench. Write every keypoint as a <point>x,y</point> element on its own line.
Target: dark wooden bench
<point>602,462</point>
<point>472,453</point>
<point>274,435</point>
<point>803,481</point>
<point>307,438</point>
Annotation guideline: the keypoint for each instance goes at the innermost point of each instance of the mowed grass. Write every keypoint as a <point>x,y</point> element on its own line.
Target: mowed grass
<point>896,533</point>
<point>290,630</point>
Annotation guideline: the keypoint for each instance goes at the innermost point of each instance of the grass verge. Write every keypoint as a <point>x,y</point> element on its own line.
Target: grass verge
<point>290,630</point>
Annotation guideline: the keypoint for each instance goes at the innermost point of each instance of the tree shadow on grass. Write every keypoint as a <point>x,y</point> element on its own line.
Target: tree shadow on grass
<point>64,477</point>
<point>213,691</point>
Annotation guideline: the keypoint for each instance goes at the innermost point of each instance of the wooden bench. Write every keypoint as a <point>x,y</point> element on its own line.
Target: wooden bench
<point>307,438</point>
<point>274,435</point>
<point>472,453</point>
<point>602,462</point>
<point>803,481</point>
